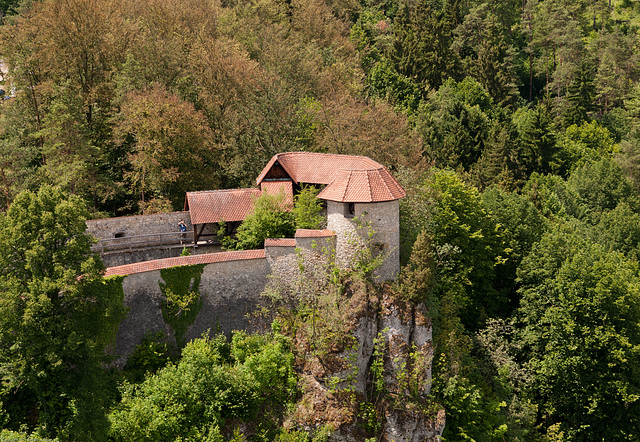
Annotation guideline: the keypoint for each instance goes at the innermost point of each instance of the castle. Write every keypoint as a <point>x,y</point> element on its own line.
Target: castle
<point>354,190</point>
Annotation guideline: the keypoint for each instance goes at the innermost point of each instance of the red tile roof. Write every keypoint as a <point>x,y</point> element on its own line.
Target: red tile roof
<point>205,258</point>
<point>362,186</point>
<point>279,242</point>
<point>231,205</point>
<point>317,168</point>
<point>310,233</point>
<point>349,178</point>
<point>276,187</point>
<point>220,205</point>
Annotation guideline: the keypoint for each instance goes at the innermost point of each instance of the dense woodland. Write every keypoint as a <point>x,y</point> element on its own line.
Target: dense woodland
<point>514,126</point>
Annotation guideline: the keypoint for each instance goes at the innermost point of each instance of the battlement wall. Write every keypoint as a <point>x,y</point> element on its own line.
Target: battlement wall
<point>230,286</point>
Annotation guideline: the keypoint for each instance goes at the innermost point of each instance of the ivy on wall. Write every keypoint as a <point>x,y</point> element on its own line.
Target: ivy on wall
<point>182,300</point>
<point>113,289</point>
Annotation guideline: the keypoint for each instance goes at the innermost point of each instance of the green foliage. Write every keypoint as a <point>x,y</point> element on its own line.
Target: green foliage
<point>551,196</point>
<point>601,185</point>
<point>466,233</point>
<point>580,313</point>
<point>471,414</point>
<point>453,123</point>
<point>582,144</point>
<point>417,279</point>
<point>270,218</point>
<point>58,315</point>
<point>482,46</point>
<point>520,226</point>
<point>307,209</point>
<point>422,48</point>
<point>581,96</point>
<point>619,230</point>
<point>536,139</point>
<point>208,387</point>
<point>182,300</point>
<point>386,82</point>
<point>152,354</point>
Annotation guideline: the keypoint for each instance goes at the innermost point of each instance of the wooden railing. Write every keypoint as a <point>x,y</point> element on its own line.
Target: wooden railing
<point>141,242</point>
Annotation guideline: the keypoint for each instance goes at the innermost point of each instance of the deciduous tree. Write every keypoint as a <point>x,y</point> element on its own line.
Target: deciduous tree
<point>57,316</point>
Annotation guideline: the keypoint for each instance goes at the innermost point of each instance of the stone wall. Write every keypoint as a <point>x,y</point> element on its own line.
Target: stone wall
<point>124,249</point>
<point>230,290</point>
<point>123,257</point>
<point>384,220</point>
<point>107,228</point>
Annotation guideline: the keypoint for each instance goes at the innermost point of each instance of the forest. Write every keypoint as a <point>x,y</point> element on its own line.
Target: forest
<point>514,127</point>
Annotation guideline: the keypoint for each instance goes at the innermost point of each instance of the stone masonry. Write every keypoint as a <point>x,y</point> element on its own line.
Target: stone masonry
<point>352,233</point>
<point>231,285</point>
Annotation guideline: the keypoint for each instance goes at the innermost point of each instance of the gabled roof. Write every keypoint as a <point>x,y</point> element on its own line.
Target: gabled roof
<point>215,206</point>
<point>317,168</point>
<point>275,187</point>
<point>348,178</point>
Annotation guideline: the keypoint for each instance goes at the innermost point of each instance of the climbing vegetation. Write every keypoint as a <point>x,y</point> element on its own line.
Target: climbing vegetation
<point>182,300</point>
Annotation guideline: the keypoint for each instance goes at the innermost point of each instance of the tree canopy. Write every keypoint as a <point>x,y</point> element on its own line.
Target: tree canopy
<point>58,315</point>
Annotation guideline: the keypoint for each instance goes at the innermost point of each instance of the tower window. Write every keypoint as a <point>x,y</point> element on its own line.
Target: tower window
<point>349,210</point>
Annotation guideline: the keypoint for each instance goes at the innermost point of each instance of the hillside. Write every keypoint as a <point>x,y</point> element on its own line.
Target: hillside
<point>512,125</point>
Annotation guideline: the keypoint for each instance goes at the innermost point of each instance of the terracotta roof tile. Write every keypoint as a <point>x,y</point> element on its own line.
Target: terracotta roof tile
<point>310,233</point>
<point>358,189</point>
<point>275,187</point>
<point>205,258</point>
<point>363,186</point>
<point>231,205</point>
<point>279,242</point>
<point>317,168</point>
<point>348,178</point>
<point>220,205</point>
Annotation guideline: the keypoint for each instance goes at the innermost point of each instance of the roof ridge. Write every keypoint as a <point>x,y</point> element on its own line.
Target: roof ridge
<point>302,152</point>
<point>344,194</point>
<point>225,190</point>
<point>369,183</point>
<point>384,182</point>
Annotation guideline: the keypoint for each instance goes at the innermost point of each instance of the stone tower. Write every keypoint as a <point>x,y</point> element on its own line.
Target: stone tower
<point>363,209</point>
<point>358,192</point>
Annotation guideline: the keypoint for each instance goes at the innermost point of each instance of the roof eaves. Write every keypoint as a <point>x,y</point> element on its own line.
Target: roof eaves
<point>267,168</point>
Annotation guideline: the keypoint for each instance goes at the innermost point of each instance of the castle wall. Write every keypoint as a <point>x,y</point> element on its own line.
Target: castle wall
<point>231,288</point>
<point>120,258</point>
<point>143,297</point>
<point>384,219</point>
<point>107,228</point>
<point>128,250</point>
